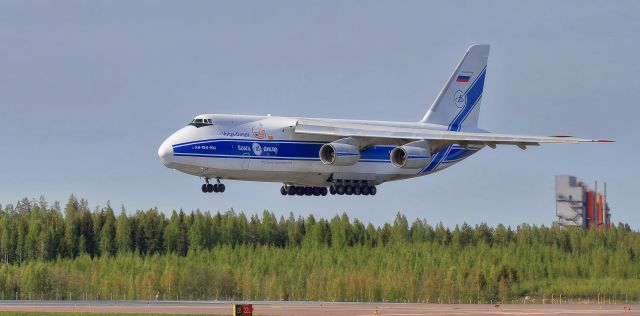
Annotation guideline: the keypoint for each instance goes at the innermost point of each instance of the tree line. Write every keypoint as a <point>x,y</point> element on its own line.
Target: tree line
<point>73,253</point>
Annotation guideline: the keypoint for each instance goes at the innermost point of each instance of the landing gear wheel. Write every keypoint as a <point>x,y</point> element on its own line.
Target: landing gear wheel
<point>204,188</point>
<point>291,190</point>
<point>348,190</point>
<point>357,190</point>
<point>373,190</point>
<point>210,188</point>
<point>316,191</point>
<point>283,190</point>
<point>323,191</point>
<point>300,191</point>
<point>215,188</point>
<point>308,191</point>
<point>340,189</point>
<point>332,190</point>
<point>365,190</point>
<point>221,187</point>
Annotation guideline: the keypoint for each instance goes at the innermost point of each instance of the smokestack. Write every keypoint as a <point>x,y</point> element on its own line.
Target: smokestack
<point>604,206</point>
<point>596,212</point>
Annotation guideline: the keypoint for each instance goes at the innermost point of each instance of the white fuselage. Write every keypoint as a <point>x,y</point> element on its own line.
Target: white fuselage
<point>320,156</point>
<point>266,148</point>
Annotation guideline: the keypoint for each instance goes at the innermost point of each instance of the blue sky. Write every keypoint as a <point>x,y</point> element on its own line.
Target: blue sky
<point>88,90</point>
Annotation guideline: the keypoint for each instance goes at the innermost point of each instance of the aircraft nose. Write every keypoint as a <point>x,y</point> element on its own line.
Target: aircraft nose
<point>165,153</point>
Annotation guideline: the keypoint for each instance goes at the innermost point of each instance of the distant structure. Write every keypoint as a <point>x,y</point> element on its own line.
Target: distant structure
<point>578,205</point>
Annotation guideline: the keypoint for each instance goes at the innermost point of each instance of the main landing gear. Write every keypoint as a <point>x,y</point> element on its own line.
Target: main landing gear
<point>352,188</point>
<point>339,188</point>
<point>208,187</point>
<point>302,190</point>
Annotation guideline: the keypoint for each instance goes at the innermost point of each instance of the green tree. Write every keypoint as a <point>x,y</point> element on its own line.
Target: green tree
<point>72,227</point>
<point>107,238</point>
<point>124,238</point>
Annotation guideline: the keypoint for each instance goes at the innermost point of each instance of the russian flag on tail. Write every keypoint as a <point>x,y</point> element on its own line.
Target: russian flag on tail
<point>464,76</point>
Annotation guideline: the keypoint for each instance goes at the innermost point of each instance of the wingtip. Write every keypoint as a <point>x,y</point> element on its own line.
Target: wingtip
<point>587,140</point>
<point>597,141</point>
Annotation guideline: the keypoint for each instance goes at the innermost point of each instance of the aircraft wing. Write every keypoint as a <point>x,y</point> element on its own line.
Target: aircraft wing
<point>407,134</point>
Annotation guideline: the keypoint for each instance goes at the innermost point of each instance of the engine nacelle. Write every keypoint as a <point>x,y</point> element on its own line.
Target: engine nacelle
<point>339,154</point>
<point>410,157</point>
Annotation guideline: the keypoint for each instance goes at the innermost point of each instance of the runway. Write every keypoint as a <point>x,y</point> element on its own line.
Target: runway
<point>313,308</point>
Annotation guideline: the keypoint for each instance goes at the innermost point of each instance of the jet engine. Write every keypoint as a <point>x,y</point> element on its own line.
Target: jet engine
<point>339,154</point>
<point>411,156</point>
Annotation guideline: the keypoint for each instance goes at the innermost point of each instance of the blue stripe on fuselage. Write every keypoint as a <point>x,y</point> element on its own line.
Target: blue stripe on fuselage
<point>275,149</point>
<point>294,150</point>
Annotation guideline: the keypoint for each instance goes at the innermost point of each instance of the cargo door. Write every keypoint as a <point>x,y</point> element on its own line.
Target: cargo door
<point>246,159</point>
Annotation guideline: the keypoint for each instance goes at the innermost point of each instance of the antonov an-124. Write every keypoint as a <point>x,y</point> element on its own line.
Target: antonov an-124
<point>312,156</point>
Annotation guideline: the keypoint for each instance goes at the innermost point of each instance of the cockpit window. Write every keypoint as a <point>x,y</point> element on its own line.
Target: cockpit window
<point>200,122</point>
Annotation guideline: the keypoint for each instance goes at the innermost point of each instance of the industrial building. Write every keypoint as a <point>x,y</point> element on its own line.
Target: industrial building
<point>579,205</point>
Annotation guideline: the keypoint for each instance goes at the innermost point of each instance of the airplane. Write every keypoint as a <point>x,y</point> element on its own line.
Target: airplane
<point>316,157</point>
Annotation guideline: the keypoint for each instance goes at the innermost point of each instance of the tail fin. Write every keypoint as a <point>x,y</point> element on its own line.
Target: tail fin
<point>458,104</point>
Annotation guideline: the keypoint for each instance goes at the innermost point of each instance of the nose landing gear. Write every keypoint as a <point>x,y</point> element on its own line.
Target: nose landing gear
<point>208,187</point>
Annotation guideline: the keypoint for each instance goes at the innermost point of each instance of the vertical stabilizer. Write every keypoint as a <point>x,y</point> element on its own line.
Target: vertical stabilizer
<point>458,104</point>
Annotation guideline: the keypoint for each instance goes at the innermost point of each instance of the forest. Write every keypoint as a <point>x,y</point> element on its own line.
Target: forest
<point>50,251</point>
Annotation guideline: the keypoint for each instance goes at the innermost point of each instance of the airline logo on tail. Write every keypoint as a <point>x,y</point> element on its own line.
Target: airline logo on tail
<point>460,98</point>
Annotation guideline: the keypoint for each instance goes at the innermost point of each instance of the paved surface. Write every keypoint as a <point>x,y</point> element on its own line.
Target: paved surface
<point>315,308</point>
